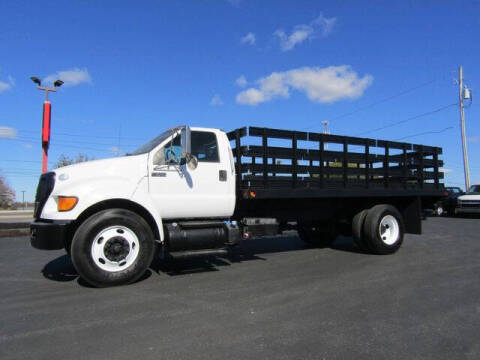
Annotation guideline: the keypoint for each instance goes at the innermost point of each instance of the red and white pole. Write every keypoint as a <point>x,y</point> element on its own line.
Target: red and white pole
<point>46,125</point>
<point>46,119</point>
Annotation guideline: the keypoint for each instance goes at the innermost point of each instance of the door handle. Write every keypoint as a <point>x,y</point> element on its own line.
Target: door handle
<point>222,175</point>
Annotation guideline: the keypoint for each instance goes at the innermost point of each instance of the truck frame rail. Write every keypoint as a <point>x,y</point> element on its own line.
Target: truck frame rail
<point>273,163</point>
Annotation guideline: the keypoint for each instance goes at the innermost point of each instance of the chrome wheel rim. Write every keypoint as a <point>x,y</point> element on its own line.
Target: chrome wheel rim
<point>115,248</point>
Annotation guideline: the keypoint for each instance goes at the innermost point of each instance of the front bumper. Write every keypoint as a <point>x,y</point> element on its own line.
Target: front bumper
<point>50,235</point>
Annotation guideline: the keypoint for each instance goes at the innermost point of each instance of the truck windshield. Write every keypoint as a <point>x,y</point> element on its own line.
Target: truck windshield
<point>474,189</point>
<point>149,146</point>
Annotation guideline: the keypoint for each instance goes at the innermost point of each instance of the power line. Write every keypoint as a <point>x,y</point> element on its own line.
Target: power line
<point>65,145</point>
<point>27,138</point>
<point>86,135</point>
<point>29,161</point>
<point>408,119</point>
<point>388,98</point>
<point>16,168</point>
<point>426,133</point>
<point>23,175</point>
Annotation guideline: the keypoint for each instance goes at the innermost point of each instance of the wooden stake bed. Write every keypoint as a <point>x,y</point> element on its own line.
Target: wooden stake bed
<point>273,163</point>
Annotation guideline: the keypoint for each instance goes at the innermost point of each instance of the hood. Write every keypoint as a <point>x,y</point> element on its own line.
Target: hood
<point>128,167</point>
<point>469,197</point>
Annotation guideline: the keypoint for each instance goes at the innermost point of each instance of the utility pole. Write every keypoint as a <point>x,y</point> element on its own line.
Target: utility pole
<point>23,199</point>
<point>462,127</point>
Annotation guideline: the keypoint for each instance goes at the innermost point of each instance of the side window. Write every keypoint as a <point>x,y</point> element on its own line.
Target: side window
<point>204,146</point>
<point>171,153</point>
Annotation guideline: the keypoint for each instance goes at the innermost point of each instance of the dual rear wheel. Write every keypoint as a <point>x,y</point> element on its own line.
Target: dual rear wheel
<point>378,230</point>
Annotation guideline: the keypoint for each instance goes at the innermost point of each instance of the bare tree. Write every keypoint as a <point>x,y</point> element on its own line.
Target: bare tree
<point>7,194</point>
<point>64,160</point>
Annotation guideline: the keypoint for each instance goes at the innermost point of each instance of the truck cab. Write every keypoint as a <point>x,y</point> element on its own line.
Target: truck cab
<point>184,173</point>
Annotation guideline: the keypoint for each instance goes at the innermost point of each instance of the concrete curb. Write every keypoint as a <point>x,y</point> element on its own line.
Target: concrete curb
<point>14,232</point>
<point>12,225</point>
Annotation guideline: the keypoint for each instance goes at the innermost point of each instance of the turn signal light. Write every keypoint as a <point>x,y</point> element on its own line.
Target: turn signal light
<point>66,203</point>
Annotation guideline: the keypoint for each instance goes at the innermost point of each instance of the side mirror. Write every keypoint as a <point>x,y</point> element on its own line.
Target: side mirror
<point>187,157</point>
<point>192,161</point>
<point>186,141</point>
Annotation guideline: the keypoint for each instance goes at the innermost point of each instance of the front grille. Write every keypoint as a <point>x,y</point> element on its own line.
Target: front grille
<point>470,205</point>
<point>470,202</point>
<point>44,189</point>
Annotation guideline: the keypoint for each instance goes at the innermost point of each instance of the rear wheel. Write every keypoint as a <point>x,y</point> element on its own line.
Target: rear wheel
<point>316,235</point>
<point>112,247</point>
<point>383,229</point>
<point>358,222</point>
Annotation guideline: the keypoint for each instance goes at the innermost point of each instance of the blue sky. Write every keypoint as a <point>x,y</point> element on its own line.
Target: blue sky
<point>133,69</point>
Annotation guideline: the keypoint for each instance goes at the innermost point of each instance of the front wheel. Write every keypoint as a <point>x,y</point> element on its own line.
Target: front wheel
<point>112,247</point>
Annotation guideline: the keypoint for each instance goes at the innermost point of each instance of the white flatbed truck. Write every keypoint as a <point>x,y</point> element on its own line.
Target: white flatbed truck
<point>200,191</point>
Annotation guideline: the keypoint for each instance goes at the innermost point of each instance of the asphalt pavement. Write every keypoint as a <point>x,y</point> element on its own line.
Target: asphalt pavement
<point>275,298</point>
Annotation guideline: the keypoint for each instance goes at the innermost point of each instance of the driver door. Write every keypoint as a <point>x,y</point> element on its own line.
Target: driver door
<point>179,192</point>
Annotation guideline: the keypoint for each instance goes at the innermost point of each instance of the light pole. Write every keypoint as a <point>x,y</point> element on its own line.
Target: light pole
<point>325,130</point>
<point>47,112</point>
<point>23,199</point>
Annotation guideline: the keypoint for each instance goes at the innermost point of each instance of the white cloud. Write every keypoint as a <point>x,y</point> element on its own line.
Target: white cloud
<point>216,100</point>
<point>323,85</point>
<point>4,86</point>
<point>446,170</point>
<point>300,33</point>
<point>249,39</point>
<point>324,24</point>
<point>241,81</point>
<point>115,150</point>
<point>7,85</point>
<point>474,139</point>
<point>7,132</point>
<point>11,80</point>
<point>71,77</point>
<point>27,146</point>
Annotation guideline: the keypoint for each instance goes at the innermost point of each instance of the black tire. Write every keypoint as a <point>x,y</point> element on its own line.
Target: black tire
<point>82,245</point>
<point>316,235</point>
<point>392,239</point>
<point>68,248</point>
<point>358,222</point>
